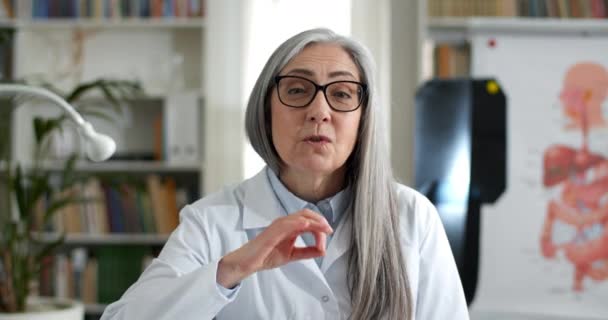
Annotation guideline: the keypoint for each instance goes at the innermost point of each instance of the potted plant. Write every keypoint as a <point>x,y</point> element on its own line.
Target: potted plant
<point>21,252</point>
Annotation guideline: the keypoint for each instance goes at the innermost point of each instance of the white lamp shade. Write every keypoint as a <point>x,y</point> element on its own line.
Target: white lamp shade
<point>99,147</point>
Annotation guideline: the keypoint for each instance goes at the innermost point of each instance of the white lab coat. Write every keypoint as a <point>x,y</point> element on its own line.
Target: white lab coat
<point>181,283</point>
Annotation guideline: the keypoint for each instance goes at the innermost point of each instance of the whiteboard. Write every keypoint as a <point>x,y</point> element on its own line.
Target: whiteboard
<point>551,85</point>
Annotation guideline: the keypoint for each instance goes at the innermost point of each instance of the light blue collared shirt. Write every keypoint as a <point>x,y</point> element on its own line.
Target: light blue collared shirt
<point>331,208</point>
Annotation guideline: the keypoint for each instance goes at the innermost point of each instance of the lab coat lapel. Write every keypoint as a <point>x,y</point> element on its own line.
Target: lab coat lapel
<point>260,208</point>
<point>308,265</point>
<point>338,245</point>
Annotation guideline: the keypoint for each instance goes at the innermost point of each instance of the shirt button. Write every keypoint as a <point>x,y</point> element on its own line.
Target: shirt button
<point>324,298</point>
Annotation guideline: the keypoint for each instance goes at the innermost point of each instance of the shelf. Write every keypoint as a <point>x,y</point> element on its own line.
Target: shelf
<point>456,29</point>
<point>124,23</point>
<point>94,98</point>
<point>124,166</point>
<point>7,23</point>
<point>108,239</point>
<point>94,308</point>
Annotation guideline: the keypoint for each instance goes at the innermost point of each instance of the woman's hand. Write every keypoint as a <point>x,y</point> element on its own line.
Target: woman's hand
<point>274,247</point>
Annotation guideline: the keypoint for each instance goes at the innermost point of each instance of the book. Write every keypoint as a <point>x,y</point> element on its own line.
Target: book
<point>118,268</point>
<point>452,60</point>
<point>172,210</point>
<point>159,203</point>
<point>144,207</point>
<point>114,209</point>
<point>90,279</point>
<point>129,209</point>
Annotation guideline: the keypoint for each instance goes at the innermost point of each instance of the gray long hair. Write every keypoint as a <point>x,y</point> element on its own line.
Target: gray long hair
<point>377,276</point>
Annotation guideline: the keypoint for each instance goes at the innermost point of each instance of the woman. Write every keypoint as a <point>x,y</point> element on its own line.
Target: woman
<point>323,232</point>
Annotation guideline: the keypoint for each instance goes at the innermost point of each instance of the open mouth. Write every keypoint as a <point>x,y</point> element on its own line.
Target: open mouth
<point>317,139</point>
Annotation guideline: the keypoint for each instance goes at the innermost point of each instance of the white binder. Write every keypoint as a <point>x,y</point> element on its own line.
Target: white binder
<point>182,128</point>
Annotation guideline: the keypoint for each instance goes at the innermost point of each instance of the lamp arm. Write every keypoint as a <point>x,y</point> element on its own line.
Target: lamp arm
<point>37,91</point>
<point>99,147</point>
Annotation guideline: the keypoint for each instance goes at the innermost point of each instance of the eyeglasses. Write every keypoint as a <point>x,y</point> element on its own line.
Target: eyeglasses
<point>342,96</point>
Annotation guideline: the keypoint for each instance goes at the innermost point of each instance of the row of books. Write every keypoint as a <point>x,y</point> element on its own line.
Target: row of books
<point>519,8</point>
<point>7,9</point>
<point>93,276</point>
<point>152,207</point>
<point>42,9</point>
<point>451,60</point>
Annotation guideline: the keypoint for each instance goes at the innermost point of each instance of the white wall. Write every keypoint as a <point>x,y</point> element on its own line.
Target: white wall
<point>270,22</point>
<point>242,35</point>
<point>223,85</point>
<point>408,19</point>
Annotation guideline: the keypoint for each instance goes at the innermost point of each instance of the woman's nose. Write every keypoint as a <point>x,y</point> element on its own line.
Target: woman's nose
<point>319,110</point>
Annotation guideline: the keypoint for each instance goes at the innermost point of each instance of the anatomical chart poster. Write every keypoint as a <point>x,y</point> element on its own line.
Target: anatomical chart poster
<point>544,243</point>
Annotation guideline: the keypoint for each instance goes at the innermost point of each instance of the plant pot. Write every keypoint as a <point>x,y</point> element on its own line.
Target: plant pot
<point>42,308</point>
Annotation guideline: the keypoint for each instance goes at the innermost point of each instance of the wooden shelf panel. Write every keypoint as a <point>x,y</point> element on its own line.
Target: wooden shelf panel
<point>125,23</point>
<point>125,166</point>
<point>94,308</point>
<point>456,29</point>
<point>109,239</point>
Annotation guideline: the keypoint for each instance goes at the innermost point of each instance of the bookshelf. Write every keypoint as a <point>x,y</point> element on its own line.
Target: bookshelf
<point>67,50</point>
<point>454,33</point>
<point>450,24</point>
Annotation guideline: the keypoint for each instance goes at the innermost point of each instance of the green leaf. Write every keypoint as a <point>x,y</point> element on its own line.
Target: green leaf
<point>107,91</point>
<point>81,89</point>
<point>9,236</point>
<point>19,189</point>
<point>128,88</point>
<point>49,247</point>
<point>38,188</point>
<point>42,127</point>
<point>75,179</point>
<point>96,114</point>
<point>6,110</point>
<point>67,175</point>
<point>39,128</point>
<point>114,92</point>
<point>60,203</point>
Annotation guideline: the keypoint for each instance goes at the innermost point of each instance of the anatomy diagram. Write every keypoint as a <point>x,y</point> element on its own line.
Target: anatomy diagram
<point>581,176</point>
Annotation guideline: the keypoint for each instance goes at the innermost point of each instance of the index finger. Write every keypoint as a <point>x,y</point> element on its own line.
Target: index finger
<point>291,226</point>
<point>315,216</point>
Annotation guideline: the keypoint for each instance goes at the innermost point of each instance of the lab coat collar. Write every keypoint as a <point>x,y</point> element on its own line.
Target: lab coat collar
<point>260,208</point>
<point>338,244</point>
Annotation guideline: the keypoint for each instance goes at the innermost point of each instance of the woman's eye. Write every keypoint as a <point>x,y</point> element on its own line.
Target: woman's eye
<point>342,95</point>
<point>296,91</point>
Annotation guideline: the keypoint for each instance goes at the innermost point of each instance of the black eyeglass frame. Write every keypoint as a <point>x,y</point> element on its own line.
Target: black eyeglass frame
<point>322,88</point>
